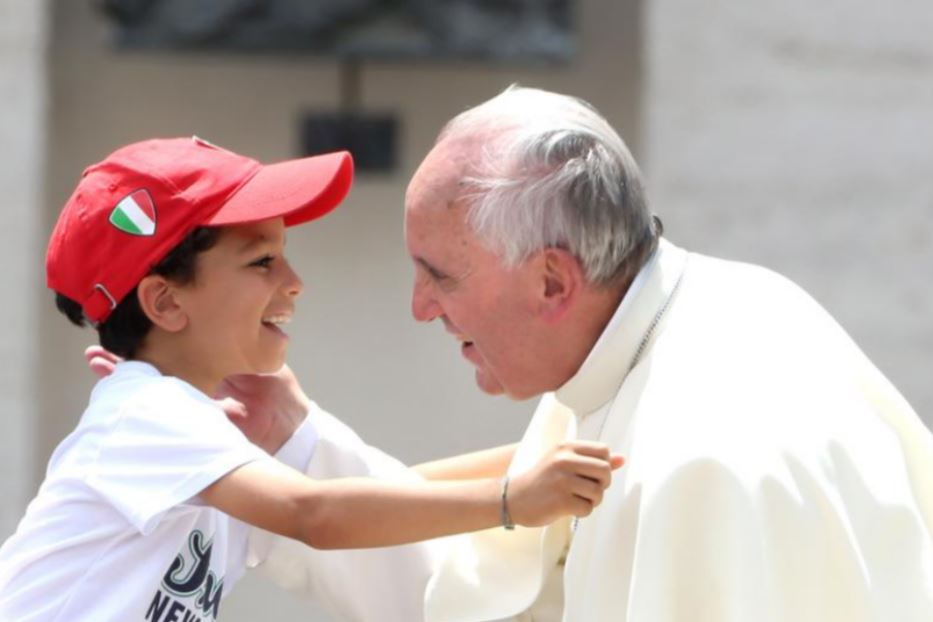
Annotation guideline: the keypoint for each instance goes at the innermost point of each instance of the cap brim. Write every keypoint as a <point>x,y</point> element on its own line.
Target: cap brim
<point>296,190</point>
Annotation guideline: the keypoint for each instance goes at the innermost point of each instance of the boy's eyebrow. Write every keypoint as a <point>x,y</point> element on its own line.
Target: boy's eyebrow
<point>257,240</point>
<point>252,243</point>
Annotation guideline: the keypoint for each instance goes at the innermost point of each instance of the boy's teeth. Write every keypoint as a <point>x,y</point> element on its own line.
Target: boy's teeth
<point>277,319</point>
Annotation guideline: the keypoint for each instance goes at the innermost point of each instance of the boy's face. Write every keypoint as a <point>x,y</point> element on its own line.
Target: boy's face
<point>243,291</point>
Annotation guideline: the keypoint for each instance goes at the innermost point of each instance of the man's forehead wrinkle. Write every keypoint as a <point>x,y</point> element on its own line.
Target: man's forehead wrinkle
<point>464,154</point>
<point>443,180</point>
<point>466,159</point>
<point>447,190</point>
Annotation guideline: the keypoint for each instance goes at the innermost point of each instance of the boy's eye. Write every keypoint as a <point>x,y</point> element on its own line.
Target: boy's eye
<point>263,262</point>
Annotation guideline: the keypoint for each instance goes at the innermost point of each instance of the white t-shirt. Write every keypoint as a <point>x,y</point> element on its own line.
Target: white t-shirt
<point>116,532</point>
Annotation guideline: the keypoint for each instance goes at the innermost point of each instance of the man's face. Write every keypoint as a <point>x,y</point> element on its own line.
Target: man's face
<point>492,311</point>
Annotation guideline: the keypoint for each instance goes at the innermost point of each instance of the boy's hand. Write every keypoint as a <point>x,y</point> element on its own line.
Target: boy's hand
<point>101,361</point>
<point>267,408</point>
<point>569,480</point>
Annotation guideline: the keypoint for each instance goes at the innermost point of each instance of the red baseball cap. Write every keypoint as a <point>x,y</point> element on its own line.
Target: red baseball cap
<point>129,211</point>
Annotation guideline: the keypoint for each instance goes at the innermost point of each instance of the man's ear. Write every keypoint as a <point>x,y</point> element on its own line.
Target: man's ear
<point>562,280</point>
<point>158,300</point>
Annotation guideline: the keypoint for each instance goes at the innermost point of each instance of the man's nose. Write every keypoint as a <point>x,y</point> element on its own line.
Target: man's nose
<point>424,307</point>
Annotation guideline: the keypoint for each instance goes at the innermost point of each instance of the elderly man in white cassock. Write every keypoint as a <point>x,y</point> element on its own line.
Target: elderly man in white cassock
<point>772,474</point>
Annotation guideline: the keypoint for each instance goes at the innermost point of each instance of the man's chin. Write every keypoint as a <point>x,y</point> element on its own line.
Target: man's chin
<point>491,386</point>
<point>488,385</point>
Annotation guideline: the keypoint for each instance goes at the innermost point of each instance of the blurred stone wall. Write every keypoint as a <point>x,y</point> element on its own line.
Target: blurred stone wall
<point>799,135</point>
<point>22,130</point>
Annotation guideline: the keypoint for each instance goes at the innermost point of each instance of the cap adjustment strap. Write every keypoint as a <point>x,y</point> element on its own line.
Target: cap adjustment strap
<point>97,308</point>
<point>103,290</point>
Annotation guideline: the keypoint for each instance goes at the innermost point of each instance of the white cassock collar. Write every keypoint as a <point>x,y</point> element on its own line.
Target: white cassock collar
<point>608,363</point>
<point>495,573</point>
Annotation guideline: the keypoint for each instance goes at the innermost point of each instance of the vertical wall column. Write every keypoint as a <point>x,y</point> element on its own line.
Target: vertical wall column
<point>799,135</point>
<point>22,135</point>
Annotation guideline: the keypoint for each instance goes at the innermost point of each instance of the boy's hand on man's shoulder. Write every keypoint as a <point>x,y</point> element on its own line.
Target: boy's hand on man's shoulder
<point>267,408</point>
<point>102,362</point>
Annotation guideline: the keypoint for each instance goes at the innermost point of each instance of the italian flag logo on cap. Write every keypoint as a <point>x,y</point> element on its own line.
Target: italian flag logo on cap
<point>135,214</point>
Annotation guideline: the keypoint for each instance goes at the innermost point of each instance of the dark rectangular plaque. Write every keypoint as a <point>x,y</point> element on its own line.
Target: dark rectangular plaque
<point>505,30</point>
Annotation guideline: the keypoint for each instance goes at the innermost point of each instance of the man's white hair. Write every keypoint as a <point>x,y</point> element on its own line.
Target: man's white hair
<point>553,173</point>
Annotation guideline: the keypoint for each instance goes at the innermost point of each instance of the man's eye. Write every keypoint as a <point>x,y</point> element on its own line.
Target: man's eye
<point>263,262</point>
<point>434,273</point>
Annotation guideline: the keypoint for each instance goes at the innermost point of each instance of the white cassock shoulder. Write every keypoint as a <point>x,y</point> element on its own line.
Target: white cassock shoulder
<point>779,476</point>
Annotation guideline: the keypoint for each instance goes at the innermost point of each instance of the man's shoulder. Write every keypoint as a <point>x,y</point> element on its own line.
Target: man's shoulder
<point>732,314</point>
<point>742,277</point>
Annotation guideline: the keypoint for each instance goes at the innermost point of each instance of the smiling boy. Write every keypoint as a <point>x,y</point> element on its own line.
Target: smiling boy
<point>174,251</point>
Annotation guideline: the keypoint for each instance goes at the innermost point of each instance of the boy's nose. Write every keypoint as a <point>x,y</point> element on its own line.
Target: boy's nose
<point>293,284</point>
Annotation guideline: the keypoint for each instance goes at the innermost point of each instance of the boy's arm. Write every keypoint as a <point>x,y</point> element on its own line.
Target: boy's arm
<point>350,584</point>
<point>360,512</point>
<point>478,464</point>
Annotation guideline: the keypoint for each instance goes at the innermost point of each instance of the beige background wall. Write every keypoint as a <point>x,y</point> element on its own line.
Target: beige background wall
<point>792,136</point>
<point>799,135</point>
<point>22,121</point>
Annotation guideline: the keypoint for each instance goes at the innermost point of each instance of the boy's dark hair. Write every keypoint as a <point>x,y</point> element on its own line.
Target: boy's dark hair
<point>124,330</point>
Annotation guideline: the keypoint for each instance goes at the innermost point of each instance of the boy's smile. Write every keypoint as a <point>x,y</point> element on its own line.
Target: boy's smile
<point>243,293</point>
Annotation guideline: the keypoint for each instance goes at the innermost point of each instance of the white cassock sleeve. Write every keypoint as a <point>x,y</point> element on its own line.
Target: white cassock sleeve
<point>774,473</point>
<point>361,585</point>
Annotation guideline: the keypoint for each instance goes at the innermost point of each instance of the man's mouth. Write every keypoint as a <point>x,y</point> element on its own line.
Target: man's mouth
<point>466,348</point>
<point>466,345</point>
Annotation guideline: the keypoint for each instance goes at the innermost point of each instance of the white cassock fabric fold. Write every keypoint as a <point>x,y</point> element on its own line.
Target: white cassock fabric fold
<point>772,472</point>
<point>468,571</point>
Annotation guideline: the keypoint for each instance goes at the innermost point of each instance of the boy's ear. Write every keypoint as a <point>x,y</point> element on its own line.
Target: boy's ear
<point>157,299</point>
<point>561,280</point>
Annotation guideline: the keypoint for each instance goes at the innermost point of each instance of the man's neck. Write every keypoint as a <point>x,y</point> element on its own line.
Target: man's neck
<point>596,309</point>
